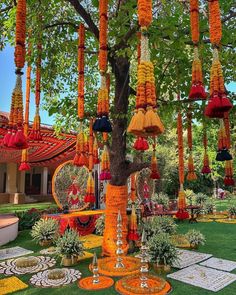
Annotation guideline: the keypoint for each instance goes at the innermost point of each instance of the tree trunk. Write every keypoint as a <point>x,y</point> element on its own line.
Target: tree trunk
<point>119,164</point>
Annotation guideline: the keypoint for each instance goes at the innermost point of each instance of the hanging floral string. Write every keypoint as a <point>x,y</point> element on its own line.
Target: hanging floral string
<point>90,197</point>
<point>218,102</point>
<point>133,189</point>
<point>133,226</point>
<point>102,123</point>
<point>229,178</point>
<point>81,47</point>
<point>95,152</point>
<point>182,213</point>
<point>191,170</point>
<point>80,158</point>
<point>140,143</point>
<point>35,133</point>
<point>206,165</point>
<point>154,168</point>
<point>15,137</point>
<point>223,144</point>
<point>145,120</point>
<point>197,88</point>
<point>24,165</point>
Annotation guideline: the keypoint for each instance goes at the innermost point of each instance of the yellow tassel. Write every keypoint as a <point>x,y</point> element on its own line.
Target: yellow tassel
<point>136,125</point>
<point>152,122</point>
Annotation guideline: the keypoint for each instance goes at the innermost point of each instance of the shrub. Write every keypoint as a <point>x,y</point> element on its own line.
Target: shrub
<point>232,210</point>
<point>70,244</point>
<point>45,230</point>
<point>201,198</point>
<point>161,249</point>
<point>195,237</point>
<point>159,224</point>
<point>162,199</point>
<point>209,206</point>
<point>27,218</point>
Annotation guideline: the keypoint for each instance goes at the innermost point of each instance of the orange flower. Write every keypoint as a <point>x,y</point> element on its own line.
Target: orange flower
<point>145,12</point>
<point>194,20</point>
<point>215,22</point>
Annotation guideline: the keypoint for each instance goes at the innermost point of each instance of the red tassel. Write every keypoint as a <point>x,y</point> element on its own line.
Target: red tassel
<point>24,166</point>
<point>6,138</point>
<point>20,140</point>
<point>89,198</point>
<point>182,214</point>
<point>141,144</point>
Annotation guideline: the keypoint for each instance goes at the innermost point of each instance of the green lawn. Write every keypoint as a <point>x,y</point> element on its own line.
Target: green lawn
<point>11,208</point>
<point>220,243</point>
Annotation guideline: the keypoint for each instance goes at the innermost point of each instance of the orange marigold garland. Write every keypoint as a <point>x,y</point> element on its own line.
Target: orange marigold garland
<point>102,123</point>
<point>105,165</point>
<point>215,22</point>
<point>15,137</point>
<point>81,47</point>
<point>140,143</point>
<point>218,103</point>
<point>35,133</point>
<point>80,158</point>
<point>229,178</point>
<point>24,165</point>
<point>133,226</point>
<point>133,189</point>
<point>182,213</point>
<point>144,13</point>
<point>197,88</point>
<point>191,170</point>
<point>206,166</point>
<point>90,196</point>
<point>95,152</point>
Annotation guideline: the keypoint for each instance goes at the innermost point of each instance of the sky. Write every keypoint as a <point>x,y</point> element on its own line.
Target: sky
<point>7,83</point>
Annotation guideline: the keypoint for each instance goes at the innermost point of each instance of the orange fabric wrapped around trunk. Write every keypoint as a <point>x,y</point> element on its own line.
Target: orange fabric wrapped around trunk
<point>116,199</point>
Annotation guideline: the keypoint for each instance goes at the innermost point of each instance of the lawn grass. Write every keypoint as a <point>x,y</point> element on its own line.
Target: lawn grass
<point>11,208</point>
<point>221,242</point>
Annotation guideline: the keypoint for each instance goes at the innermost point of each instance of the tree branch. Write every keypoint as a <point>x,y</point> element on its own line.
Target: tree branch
<point>85,16</point>
<point>6,9</point>
<point>134,167</point>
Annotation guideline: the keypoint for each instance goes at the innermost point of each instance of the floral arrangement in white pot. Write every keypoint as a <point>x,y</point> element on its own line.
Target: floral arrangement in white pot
<point>195,238</point>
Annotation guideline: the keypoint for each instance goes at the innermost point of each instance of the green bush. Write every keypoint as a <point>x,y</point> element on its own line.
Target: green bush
<point>161,199</point>
<point>70,244</point>
<point>27,218</point>
<point>159,224</point>
<point>161,249</point>
<point>195,237</point>
<point>232,210</point>
<point>45,229</point>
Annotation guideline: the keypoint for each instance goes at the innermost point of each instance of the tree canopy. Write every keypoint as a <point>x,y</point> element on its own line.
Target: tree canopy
<point>171,53</point>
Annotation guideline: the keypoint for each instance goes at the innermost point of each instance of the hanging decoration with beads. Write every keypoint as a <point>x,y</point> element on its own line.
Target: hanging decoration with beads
<point>81,48</point>
<point>140,144</point>
<point>218,103</point>
<point>154,168</point>
<point>191,176</point>
<point>145,120</point>
<point>229,178</point>
<point>24,165</point>
<point>90,196</point>
<point>15,137</point>
<point>35,133</point>
<point>206,164</point>
<point>182,213</point>
<point>223,153</point>
<point>102,123</point>
<point>197,87</point>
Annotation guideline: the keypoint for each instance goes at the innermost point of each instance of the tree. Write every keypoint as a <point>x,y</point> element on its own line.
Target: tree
<point>171,53</point>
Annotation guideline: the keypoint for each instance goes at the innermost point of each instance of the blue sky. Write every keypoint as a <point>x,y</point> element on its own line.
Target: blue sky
<point>7,82</point>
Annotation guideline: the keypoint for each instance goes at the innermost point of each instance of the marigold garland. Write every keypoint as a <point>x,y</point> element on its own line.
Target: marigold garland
<point>154,168</point>
<point>133,226</point>
<point>206,165</point>
<point>15,137</point>
<point>133,188</point>
<point>80,158</point>
<point>81,47</point>
<point>117,197</point>
<point>95,152</point>
<point>194,20</point>
<point>105,165</point>
<point>215,22</point>
<point>229,178</point>
<point>87,283</point>
<point>145,121</point>
<point>35,133</point>
<point>218,103</point>
<point>191,170</point>
<point>24,165</point>
<point>182,213</point>
<point>145,13</point>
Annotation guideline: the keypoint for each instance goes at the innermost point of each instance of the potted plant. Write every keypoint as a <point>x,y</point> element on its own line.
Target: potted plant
<point>69,246</point>
<point>232,211</point>
<point>195,238</point>
<point>45,231</point>
<point>160,224</point>
<point>161,199</point>
<point>162,252</point>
